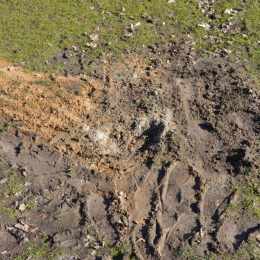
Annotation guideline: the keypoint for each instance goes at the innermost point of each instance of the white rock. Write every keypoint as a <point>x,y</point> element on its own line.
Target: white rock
<point>94,37</point>
<point>230,11</point>
<point>85,128</point>
<point>204,25</point>
<point>98,135</point>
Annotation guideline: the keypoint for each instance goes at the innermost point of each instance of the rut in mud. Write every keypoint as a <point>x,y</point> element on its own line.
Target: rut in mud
<point>138,160</point>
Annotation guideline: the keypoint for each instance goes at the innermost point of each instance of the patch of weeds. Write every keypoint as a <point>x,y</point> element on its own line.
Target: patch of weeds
<point>74,249</point>
<point>190,253</point>
<point>250,250</point>
<point>120,250</point>
<point>45,83</point>
<point>91,232</point>
<point>61,94</point>
<point>70,171</point>
<point>40,250</point>
<point>159,158</point>
<point>10,211</point>
<point>11,124</point>
<point>248,199</point>
<point>65,129</point>
<point>145,104</point>
<point>175,139</point>
<point>14,183</point>
<point>10,188</point>
<point>30,205</point>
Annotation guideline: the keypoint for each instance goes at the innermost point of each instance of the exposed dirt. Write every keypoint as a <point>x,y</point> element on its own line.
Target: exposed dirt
<point>138,160</point>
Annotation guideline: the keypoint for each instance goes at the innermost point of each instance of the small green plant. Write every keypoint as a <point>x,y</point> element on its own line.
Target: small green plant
<point>123,248</point>
<point>40,250</point>
<point>30,205</point>
<point>14,184</point>
<point>70,171</point>
<point>65,129</point>
<point>46,83</point>
<point>10,211</point>
<point>146,104</point>
<point>91,232</point>
<point>11,124</point>
<point>74,249</point>
<point>248,199</point>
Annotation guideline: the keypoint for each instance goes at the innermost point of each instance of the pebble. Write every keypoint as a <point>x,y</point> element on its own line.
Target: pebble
<point>3,180</point>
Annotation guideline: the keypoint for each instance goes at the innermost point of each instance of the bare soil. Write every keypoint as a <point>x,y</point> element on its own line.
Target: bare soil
<point>138,160</point>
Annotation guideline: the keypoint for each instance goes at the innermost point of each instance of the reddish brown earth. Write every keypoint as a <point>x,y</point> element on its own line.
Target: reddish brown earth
<point>139,160</point>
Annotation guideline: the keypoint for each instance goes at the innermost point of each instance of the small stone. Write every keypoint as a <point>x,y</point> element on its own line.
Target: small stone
<point>85,128</point>
<point>92,45</point>
<point>94,37</point>
<point>258,238</point>
<point>24,227</point>
<point>204,25</point>
<point>146,15</point>
<point>22,207</point>
<point>3,180</point>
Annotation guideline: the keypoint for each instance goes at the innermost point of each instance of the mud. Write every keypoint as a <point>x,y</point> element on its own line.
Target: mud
<point>137,161</point>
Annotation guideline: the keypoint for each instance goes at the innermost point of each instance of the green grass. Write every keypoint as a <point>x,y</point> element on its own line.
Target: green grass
<point>119,251</point>
<point>40,250</point>
<point>248,199</point>
<point>250,250</point>
<point>12,187</point>
<point>33,32</point>
<point>14,184</point>
<point>12,212</point>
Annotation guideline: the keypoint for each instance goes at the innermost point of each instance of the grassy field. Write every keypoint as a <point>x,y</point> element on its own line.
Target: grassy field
<point>33,32</point>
